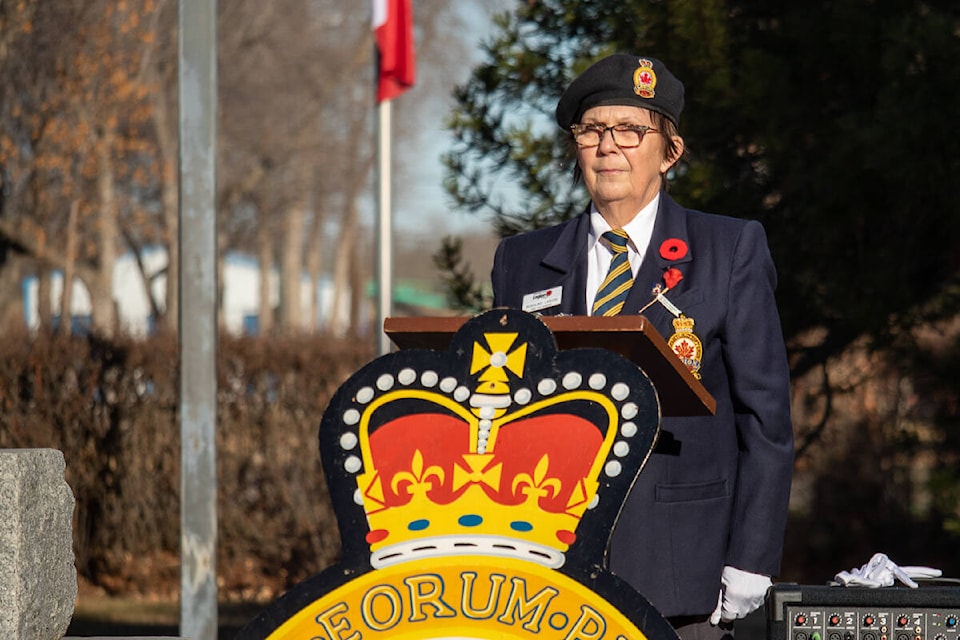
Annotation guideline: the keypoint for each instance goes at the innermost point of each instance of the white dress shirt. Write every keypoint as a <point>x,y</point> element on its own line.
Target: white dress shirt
<point>640,230</point>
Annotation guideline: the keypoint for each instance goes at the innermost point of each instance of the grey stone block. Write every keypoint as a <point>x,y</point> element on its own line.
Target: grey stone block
<point>38,579</point>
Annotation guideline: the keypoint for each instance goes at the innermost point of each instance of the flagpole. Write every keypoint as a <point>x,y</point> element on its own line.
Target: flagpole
<point>393,36</point>
<point>384,224</point>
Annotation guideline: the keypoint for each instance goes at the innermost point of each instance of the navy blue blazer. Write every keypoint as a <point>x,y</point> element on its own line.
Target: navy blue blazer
<point>716,489</point>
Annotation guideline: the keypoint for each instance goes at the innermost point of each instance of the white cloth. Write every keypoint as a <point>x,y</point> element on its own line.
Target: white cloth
<point>881,571</point>
<point>741,593</point>
<point>640,230</point>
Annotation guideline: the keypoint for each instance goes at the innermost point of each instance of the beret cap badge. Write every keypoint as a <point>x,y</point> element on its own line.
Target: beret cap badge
<point>622,79</point>
<point>644,79</point>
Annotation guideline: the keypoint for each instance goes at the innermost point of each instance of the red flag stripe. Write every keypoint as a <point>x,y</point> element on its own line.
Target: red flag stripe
<point>393,29</point>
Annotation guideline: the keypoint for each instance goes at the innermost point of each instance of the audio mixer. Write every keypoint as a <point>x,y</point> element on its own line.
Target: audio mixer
<point>801,612</point>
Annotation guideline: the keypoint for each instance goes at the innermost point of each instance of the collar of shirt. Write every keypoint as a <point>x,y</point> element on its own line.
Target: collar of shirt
<point>640,230</point>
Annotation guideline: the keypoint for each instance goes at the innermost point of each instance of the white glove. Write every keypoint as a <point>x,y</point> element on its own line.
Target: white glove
<point>741,593</point>
<point>881,571</point>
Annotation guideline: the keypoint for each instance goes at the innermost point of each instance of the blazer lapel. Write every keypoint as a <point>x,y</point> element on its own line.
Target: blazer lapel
<point>568,256</point>
<point>671,223</point>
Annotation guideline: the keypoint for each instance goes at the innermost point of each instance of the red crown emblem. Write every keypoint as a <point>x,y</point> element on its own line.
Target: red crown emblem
<point>497,447</point>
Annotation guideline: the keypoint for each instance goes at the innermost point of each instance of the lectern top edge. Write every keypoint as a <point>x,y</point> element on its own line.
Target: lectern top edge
<point>633,337</point>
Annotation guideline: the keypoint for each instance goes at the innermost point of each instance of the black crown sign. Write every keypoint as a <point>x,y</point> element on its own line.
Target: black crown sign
<point>475,490</point>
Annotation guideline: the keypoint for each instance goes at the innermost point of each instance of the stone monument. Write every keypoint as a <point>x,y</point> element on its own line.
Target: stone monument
<point>38,579</point>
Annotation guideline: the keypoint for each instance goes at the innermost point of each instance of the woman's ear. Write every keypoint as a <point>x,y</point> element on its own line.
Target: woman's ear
<point>672,154</point>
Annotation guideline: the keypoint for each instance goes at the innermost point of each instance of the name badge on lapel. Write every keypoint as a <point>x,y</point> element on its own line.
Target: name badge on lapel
<point>541,300</point>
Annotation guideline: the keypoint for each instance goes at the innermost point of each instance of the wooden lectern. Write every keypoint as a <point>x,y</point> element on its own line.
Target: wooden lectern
<point>633,337</point>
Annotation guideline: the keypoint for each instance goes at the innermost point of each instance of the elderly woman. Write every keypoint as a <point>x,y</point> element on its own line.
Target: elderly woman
<point>701,533</point>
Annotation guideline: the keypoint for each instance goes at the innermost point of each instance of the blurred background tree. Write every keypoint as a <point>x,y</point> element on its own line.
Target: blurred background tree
<point>88,147</point>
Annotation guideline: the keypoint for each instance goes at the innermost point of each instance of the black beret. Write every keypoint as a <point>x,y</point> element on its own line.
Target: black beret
<point>622,79</point>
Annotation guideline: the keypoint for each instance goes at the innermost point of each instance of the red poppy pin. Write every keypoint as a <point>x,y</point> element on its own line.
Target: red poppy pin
<point>673,249</point>
<point>672,276</point>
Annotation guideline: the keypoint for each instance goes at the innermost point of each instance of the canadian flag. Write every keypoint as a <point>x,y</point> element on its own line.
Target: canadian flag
<point>393,30</point>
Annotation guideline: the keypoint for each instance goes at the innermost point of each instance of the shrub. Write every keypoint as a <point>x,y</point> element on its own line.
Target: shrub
<point>111,406</point>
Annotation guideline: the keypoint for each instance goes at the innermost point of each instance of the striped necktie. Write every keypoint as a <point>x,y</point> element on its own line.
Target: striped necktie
<point>614,289</point>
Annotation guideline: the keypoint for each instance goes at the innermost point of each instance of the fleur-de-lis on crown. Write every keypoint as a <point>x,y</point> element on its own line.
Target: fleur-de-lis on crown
<point>538,485</point>
<point>418,478</point>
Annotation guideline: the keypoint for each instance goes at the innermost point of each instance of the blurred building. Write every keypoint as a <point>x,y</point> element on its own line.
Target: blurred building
<point>241,297</point>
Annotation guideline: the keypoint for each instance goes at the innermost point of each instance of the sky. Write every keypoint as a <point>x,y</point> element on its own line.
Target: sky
<point>424,194</point>
<point>422,213</point>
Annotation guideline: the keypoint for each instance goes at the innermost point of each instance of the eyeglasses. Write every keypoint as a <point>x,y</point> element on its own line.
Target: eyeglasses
<point>625,136</point>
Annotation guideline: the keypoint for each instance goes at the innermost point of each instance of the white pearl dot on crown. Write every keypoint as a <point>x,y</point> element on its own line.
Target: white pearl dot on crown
<point>348,441</point>
<point>407,376</point>
<point>385,382</point>
<point>365,395</point>
<point>351,417</point>
<point>429,378</point>
<point>352,464</point>
<point>597,381</point>
<point>620,391</point>
<point>572,380</point>
<point>547,386</point>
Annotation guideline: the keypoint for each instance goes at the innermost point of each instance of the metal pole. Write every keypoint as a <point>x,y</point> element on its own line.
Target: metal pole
<point>384,226</point>
<point>198,319</point>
